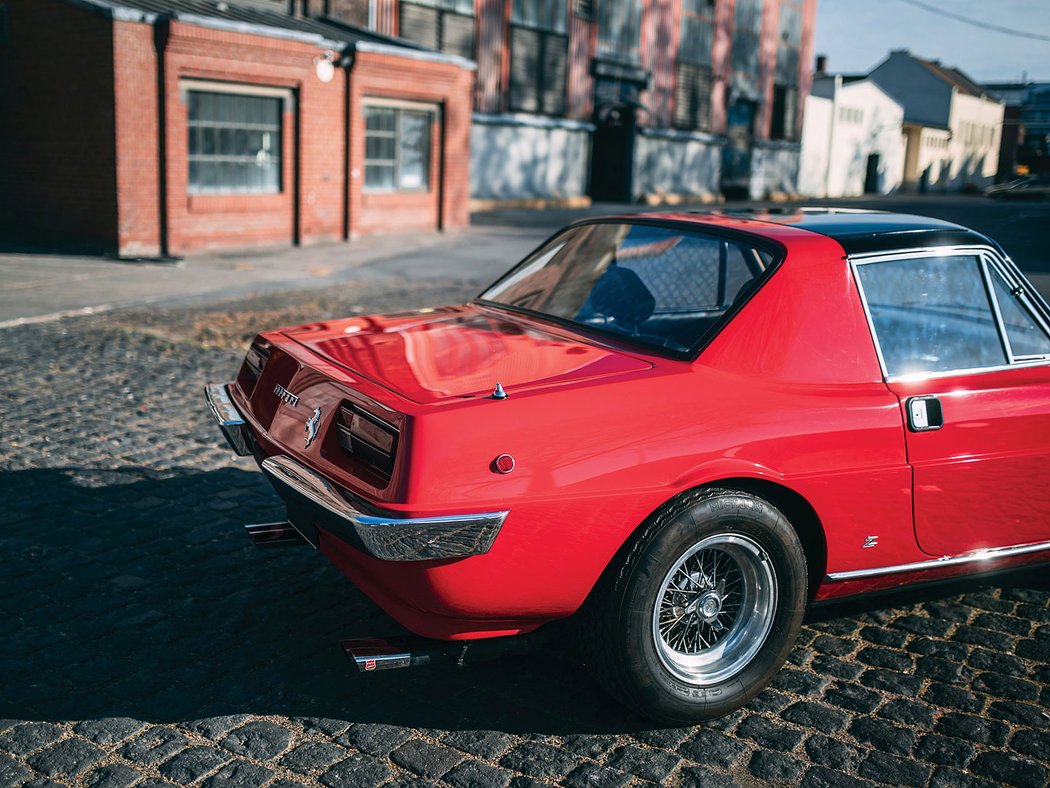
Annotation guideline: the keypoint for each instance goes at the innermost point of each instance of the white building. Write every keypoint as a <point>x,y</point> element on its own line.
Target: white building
<point>852,139</point>
<point>952,125</point>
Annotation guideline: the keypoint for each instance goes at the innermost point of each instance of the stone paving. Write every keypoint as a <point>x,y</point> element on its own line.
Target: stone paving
<point>145,642</point>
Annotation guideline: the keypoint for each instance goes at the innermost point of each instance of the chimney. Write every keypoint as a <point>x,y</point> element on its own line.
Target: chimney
<point>822,64</point>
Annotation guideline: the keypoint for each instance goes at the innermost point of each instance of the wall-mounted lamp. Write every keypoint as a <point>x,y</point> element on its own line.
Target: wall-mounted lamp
<point>324,66</point>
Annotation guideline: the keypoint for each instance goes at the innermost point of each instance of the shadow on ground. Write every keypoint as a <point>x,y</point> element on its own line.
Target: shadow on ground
<point>135,593</point>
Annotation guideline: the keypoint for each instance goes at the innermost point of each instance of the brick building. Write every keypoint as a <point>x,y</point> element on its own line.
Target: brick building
<point>168,126</point>
<point>163,127</point>
<point>619,99</point>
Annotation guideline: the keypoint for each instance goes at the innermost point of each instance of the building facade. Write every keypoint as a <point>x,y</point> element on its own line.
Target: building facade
<point>197,124</point>
<point>654,100</point>
<point>952,125</point>
<point>852,139</point>
<point>210,125</point>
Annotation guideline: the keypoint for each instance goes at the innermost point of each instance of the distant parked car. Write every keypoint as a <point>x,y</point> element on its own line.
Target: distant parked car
<point>685,428</point>
<point>1028,187</point>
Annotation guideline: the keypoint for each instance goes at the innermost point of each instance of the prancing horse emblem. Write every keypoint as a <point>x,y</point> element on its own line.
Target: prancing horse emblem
<point>312,424</point>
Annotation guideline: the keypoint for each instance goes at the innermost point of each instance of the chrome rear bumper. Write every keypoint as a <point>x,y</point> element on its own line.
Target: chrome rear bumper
<point>229,419</point>
<point>313,502</point>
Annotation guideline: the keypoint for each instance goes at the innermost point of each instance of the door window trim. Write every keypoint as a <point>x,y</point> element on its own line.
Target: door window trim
<point>986,256</point>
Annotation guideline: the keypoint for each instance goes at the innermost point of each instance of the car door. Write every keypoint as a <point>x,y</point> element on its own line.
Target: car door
<point>965,346</point>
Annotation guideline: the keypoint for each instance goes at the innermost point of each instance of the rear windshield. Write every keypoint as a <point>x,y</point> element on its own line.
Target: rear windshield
<point>660,286</point>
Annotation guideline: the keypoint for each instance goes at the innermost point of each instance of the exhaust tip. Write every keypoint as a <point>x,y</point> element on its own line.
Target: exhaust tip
<point>274,535</point>
<point>377,654</point>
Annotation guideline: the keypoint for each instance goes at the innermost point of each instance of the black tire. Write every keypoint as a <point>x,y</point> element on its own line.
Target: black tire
<point>732,554</point>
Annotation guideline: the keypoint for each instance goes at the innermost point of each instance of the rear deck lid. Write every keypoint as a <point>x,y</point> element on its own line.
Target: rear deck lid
<point>433,355</point>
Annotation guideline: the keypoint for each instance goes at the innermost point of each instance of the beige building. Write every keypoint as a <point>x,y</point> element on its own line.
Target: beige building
<point>952,126</point>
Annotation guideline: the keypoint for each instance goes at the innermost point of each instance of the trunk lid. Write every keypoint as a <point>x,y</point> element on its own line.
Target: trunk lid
<point>433,355</point>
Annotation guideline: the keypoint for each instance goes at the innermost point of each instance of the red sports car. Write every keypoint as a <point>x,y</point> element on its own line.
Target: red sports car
<point>685,427</point>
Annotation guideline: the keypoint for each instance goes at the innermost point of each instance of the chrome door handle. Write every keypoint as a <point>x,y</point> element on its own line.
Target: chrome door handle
<point>924,414</point>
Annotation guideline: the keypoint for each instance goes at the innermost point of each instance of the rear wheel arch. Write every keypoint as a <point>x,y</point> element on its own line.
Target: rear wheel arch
<point>799,513</point>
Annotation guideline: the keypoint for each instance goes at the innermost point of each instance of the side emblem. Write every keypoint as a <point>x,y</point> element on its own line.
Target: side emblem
<point>312,424</point>
<point>870,541</point>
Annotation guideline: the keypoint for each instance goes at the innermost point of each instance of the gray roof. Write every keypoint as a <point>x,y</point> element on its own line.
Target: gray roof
<point>323,31</point>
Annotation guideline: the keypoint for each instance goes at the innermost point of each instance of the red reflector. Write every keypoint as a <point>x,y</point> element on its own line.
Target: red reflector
<point>504,463</point>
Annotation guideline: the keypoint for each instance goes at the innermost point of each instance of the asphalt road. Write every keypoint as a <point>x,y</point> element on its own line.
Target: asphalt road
<point>144,642</point>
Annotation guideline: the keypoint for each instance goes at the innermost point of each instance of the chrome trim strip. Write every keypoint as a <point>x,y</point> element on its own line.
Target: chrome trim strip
<point>992,554</point>
<point>391,538</point>
<point>228,418</point>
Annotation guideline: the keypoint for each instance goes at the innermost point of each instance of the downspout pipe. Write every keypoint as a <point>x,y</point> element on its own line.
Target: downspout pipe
<point>161,34</point>
<point>347,62</point>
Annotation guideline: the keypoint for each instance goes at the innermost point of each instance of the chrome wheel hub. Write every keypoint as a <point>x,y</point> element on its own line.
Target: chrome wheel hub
<point>714,609</point>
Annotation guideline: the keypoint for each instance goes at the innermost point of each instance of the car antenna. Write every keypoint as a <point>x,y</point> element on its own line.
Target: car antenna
<point>499,392</point>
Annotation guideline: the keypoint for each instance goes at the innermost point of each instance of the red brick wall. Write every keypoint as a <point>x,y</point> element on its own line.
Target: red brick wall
<point>138,169</point>
<point>311,195</point>
<point>57,168</point>
<point>444,205</point>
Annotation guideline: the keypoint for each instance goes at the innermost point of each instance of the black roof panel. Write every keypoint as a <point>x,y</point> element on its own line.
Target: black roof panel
<point>865,231</point>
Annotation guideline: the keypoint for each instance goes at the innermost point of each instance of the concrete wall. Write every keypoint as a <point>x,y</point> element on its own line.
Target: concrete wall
<point>525,157</point>
<point>815,157</point>
<point>976,125</point>
<point>774,168</point>
<point>676,164</point>
<point>867,122</point>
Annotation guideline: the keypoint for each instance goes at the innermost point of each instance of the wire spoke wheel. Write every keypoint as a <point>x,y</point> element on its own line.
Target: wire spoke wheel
<point>714,609</point>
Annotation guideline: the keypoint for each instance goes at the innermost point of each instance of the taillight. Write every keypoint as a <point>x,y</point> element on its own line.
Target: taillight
<point>368,438</point>
<point>254,363</point>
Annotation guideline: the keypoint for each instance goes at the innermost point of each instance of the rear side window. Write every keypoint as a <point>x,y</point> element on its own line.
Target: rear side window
<point>667,287</point>
<point>932,314</point>
<point>1027,338</point>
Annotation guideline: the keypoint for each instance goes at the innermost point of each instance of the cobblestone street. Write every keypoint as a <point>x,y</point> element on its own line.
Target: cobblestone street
<point>146,642</point>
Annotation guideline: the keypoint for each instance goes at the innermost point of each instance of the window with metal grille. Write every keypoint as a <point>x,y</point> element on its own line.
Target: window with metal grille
<point>747,39</point>
<point>789,42</point>
<point>693,73</point>
<point>620,30</point>
<point>397,149</point>
<point>445,25</point>
<point>539,53</point>
<point>234,143</point>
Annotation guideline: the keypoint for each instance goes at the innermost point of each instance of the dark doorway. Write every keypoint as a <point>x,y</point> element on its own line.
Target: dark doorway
<point>736,155</point>
<point>612,156</point>
<point>871,177</point>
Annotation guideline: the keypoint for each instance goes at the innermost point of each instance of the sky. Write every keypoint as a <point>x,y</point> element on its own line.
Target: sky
<point>857,34</point>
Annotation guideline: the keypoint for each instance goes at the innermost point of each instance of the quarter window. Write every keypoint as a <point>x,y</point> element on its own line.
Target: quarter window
<point>234,143</point>
<point>1027,338</point>
<point>932,314</point>
<point>397,149</point>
